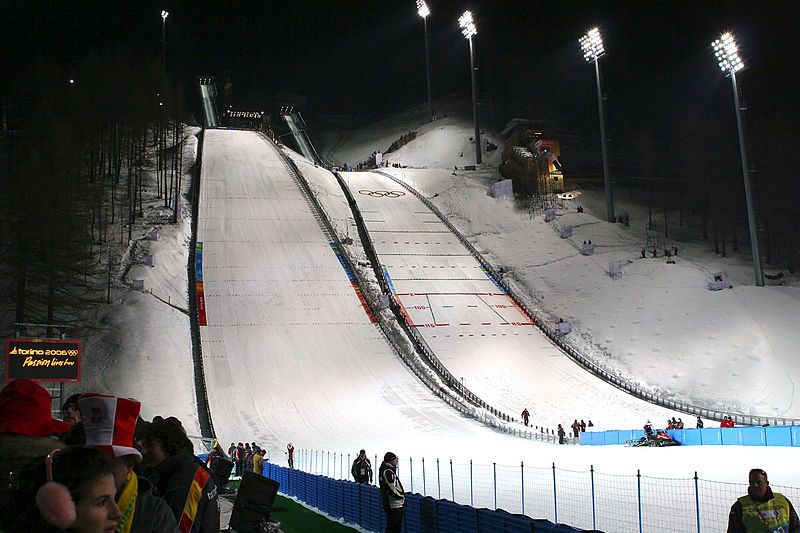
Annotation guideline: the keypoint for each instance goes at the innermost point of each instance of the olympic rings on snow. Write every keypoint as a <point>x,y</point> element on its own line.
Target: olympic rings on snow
<point>382,194</point>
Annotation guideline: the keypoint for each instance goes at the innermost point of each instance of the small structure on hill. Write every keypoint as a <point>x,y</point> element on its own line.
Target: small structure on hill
<point>531,162</point>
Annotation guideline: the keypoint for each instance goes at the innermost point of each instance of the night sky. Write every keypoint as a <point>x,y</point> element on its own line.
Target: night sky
<point>368,56</point>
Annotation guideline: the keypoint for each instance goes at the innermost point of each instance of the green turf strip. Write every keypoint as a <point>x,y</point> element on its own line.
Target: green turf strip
<point>295,518</point>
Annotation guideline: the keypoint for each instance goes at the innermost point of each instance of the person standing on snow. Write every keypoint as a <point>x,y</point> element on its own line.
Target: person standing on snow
<point>393,496</point>
<point>362,468</point>
<point>762,510</point>
<point>258,462</point>
<point>561,434</point>
<point>525,416</point>
<point>290,454</point>
<point>576,428</point>
<point>699,423</point>
<point>583,426</point>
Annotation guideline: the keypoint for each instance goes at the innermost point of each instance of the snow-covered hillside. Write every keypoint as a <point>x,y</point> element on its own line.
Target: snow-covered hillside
<point>658,324</point>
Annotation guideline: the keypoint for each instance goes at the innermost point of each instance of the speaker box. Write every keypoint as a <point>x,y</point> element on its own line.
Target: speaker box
<point>254,501</point>
<point>221,470</point>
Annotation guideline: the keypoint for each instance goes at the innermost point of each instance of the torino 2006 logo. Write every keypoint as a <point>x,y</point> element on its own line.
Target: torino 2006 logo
<point>382,194</point>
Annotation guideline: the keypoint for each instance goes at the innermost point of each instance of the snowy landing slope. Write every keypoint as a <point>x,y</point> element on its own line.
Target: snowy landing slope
<point>289,352</point>
<point>473,326</point>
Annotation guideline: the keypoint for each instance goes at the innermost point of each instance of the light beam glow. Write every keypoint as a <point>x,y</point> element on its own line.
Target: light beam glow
<point>727,53</point>
<point>592,44</point>
<point>468,27</point>
<point>422,8</point>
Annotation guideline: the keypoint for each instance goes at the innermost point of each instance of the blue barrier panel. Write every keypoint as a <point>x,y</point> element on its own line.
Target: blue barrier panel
<point>778,436</point>
<point>626,435</point>
<point>711,436</point>
<point>350,502</point>
<point>489,521</point>
<point>753,436</point>
<point>731,436</point>
<point>412,519</point>
<point>611,437</point>
<point>586,438</point>
<point>312,490</point>
<point>592,438</point>
<point>515,523</point>
<point>428,515</point>
<point>467,519</point>
<point>326,498</point>
<point>691,437</point>
<point>372,515</point>
<point>795,435</point>
<point>447,513</point>
<point>300,481</point>
<point>338,497</point>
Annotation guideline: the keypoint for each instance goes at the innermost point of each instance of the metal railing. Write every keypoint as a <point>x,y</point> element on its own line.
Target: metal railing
<point>201,392</point>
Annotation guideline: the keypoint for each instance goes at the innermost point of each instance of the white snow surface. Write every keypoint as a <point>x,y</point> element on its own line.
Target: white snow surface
<point>290,354</point>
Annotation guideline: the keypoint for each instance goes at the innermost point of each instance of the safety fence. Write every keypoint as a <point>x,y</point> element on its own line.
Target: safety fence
<point>549,328</point>
<point>743,436</point>
<point>360,504</point>
<point>586,498</point>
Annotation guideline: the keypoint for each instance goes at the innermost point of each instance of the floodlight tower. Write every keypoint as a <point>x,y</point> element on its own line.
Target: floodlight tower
<point>730,63</point>
<point>423,11</point>
<point>592,44</point>
<point>164,15</point>
<point>469,30</point>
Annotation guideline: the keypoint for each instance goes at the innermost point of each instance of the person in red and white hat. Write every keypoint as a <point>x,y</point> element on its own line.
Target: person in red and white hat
<point>110,423</point>
<point>26,427</point>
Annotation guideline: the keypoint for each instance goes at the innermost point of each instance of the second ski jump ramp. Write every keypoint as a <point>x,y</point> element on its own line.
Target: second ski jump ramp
<point>288,350</point>
<point>473,325</point>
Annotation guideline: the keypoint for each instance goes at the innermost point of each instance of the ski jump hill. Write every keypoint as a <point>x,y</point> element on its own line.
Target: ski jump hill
<point>291,353</point>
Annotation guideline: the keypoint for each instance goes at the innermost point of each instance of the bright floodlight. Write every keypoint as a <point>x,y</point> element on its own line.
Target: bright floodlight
<point>164,14</point>
<point>727,54</point>
<point>467,25</point>
<point>592,44</point>
<point>422,8</point>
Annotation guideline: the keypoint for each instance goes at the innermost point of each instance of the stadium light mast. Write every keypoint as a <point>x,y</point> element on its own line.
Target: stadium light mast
<point>424,11</point>
<point>164,15</point>
<point>727,53</point>
<point>469,30</point>
<point>592,45</point>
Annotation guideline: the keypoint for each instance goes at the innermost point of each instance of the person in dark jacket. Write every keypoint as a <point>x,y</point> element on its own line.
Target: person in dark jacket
<point>181,478</point>
<point>561,434</point>
<point>362,468</point>
<point>762,509</point>
<point>525,416</point>
<point>699,423</point>
<point>238,459</point>
<point>393,496</point>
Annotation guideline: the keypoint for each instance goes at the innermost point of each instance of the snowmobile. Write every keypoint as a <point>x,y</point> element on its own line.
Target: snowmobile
<point>659,440</point>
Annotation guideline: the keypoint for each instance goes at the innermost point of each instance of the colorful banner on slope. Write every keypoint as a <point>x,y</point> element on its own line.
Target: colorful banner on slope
<point>353,281</point>
<point>198,275</point>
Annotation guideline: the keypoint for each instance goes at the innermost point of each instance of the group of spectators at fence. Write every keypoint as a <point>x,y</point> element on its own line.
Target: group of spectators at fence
<point>101,468</point>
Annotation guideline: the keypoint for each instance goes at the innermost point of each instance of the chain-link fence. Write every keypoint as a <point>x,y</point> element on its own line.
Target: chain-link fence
<point>587,499</point>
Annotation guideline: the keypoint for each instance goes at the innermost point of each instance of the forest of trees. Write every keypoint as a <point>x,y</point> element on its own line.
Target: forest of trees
<point>76,166</point>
